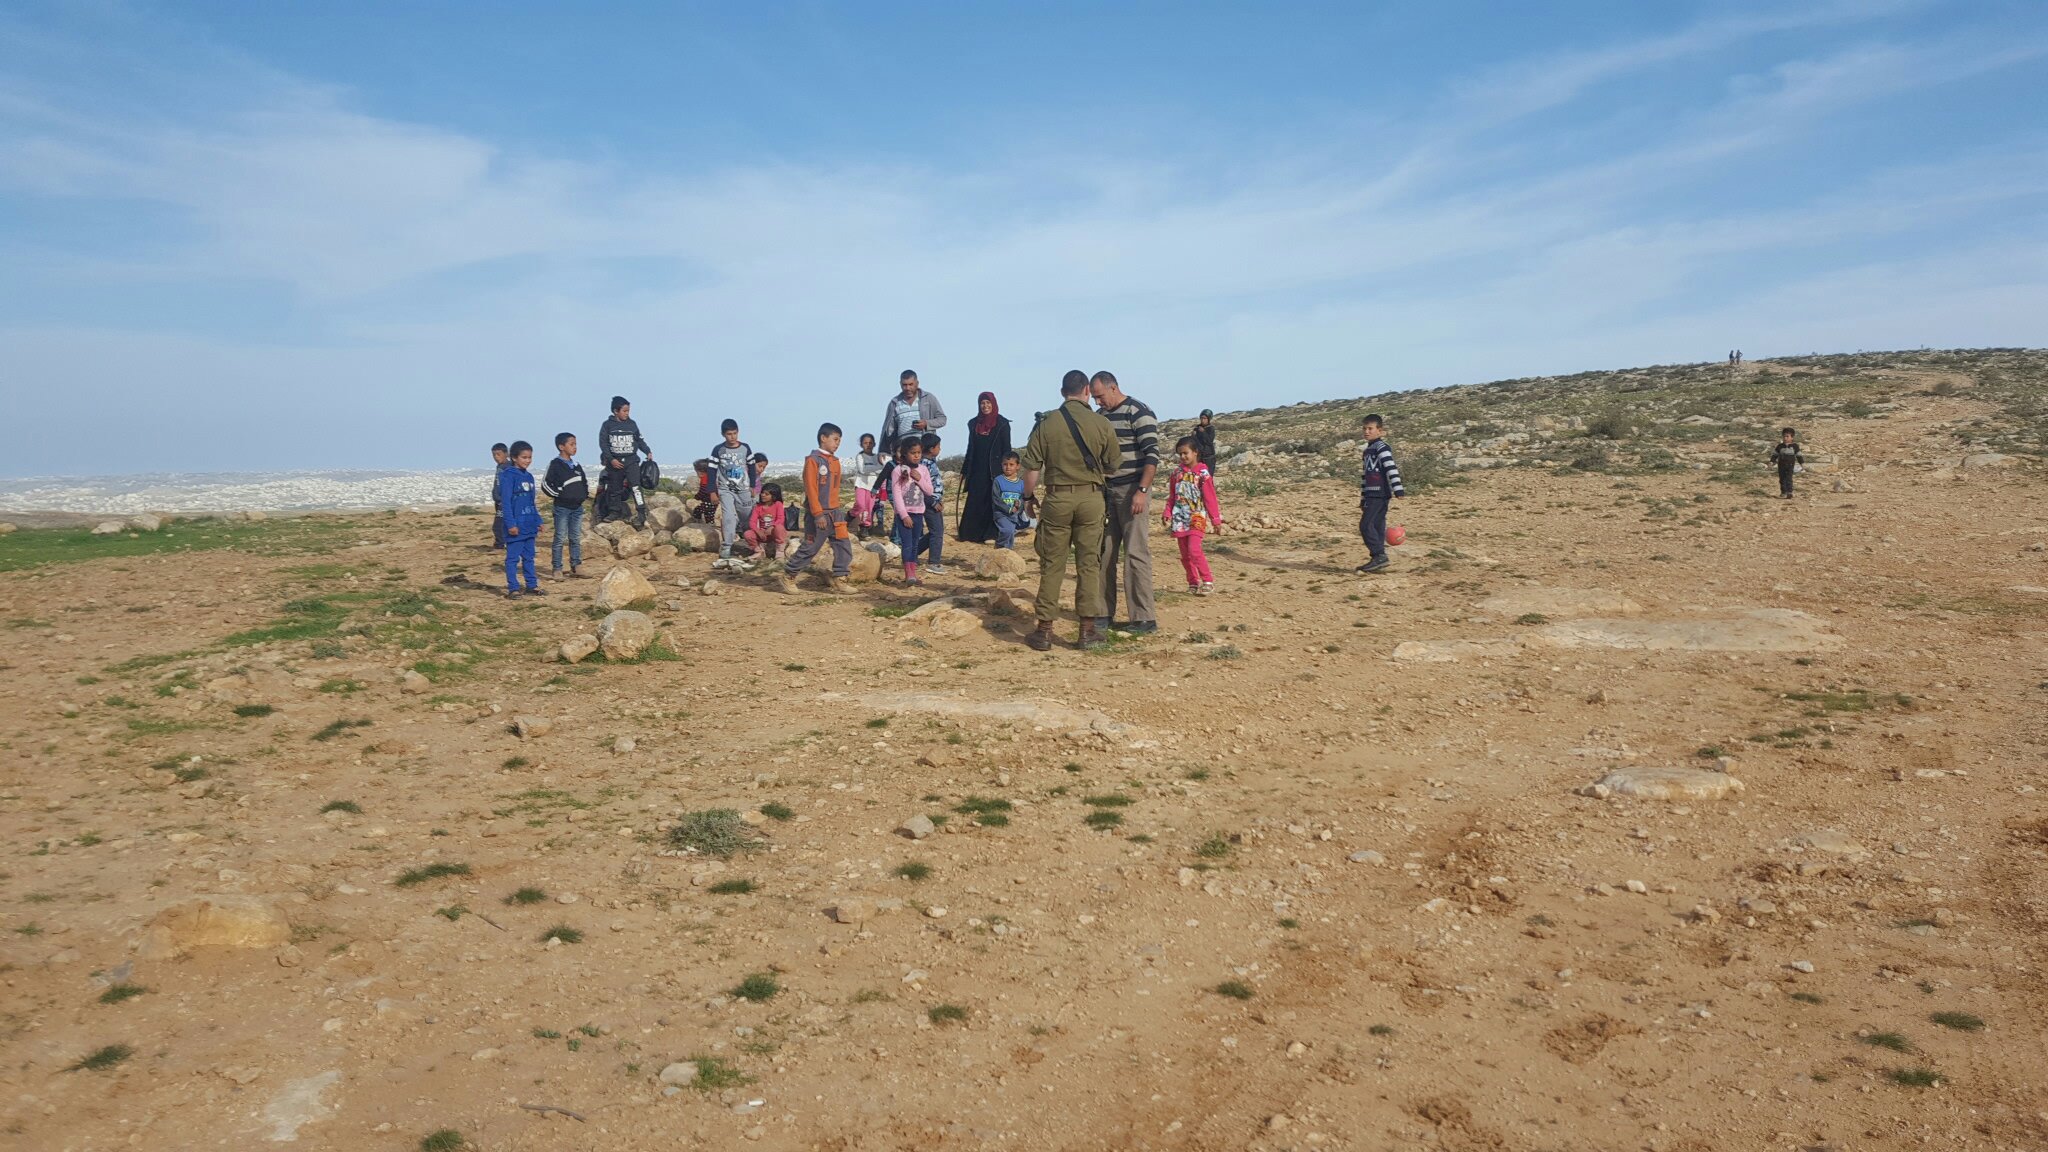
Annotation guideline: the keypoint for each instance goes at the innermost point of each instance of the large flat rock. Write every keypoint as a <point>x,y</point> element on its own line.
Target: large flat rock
<point>1742,630</point>
<point>1647,783</point>
<point>1451,651</point>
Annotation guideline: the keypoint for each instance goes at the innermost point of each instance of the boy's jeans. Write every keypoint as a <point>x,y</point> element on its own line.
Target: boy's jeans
<point>569,527</point>
<point>935,532</point>
<point>1372,525</point>
<point>1006,529</point>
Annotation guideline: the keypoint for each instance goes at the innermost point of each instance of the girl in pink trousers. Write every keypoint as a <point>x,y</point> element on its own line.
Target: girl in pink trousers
<point>910,492</point>
<point>1191,512</point>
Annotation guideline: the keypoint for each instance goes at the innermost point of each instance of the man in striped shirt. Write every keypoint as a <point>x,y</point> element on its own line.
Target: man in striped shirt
<point>1379,482</point>
<point>1128,496</point>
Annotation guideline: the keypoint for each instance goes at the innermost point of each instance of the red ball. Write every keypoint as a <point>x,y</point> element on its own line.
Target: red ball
<point>1396,534</point>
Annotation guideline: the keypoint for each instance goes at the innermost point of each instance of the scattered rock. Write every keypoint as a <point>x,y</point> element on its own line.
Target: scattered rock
<point>1989,460</point>
<point>1664,784</point>
<point>625,634</point>
<point>109,528</point>
<point>1801,966</point>
<point>623,588</point>
<point>145,522</point>
<point>576,648</point>
<point>853,910</point>
<point>1637,887</point>
<point>681,1074</point>
<point>1451,651</point>
<point>633,544</point>
<point>624,744</point>
<point>214,922</point>
<point>935,912</point>
<point>917,827</point>
<point>712,588</point>
<point>999,563</point>
<point>532,727</point>
<point>1367,856</point>
<point>1832,843</point>
<point>413,684</point>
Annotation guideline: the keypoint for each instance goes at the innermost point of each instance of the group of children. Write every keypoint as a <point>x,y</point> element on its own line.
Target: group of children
<point>753,514</point>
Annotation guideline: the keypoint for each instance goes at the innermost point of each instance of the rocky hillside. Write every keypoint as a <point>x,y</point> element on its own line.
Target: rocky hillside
<point>1663,418</point>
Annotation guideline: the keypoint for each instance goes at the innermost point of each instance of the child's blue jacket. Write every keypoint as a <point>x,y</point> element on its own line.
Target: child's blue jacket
<point>515,496</point>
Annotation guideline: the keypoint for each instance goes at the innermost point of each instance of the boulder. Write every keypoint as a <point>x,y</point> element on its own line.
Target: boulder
<point>145,522</point>
<point>612,529</point>
<point>668,518</point>
<point>917,827</point>
<point>623,588</point>
<point>214,922</point>
<point>999,563</point>
<point>575,648</point>
<point>413,684</point>
<point>532,727</point>
<point>1648,783</point>
<point>6,526</point>
<point>109,528</point>
<point>633,544</point>
<point>853,910</point>
<point>865,569</point>
<point>696,538</point>
<point>624,635</point>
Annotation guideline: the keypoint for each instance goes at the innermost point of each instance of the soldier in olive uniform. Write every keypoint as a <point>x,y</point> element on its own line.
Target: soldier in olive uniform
<point>1074,449</point>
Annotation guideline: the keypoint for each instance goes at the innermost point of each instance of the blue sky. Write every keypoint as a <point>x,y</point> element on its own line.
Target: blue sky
<point>242,236</point>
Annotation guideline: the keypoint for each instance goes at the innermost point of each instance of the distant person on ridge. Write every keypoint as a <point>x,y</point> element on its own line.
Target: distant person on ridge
<point>911,411</point>
<point>619,447</point>
<point>1378,484</point>
<point>1205,439</point>
<point>1785,454</point>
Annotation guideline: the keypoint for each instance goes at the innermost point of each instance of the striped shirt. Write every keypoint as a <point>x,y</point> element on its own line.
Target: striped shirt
<point>1137,433</point>
<point>1380,474</point>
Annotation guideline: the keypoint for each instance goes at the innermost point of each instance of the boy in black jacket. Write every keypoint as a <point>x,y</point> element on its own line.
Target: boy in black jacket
<point>618,451</point>
<point>1785,454</point>
<point>1379,483</point>
<point>568,487</point>
<point>500,456</point>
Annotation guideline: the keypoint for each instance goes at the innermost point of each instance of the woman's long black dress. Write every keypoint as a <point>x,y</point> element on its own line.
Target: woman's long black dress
<point>984,462</point>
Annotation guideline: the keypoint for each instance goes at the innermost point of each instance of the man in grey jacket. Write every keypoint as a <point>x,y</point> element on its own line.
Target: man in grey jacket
<point>912,411</point>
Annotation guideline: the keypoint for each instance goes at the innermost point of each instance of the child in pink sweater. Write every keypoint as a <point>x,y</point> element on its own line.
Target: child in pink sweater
<point>1190,512</point>
<point>910,486</point>
<point>766,530</point>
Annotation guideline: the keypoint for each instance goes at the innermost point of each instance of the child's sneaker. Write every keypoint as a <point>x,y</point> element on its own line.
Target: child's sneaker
<point>1194,589</point>
<point>511,593</point>
<point>536,590</point>
<point>1376,565</point>
<point>936,569</point>
<point>785,584</point>
<point>554,573</point>
<point>1208,586</point>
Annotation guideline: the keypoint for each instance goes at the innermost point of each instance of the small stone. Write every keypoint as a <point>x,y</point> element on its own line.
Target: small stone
<point>623,745</point>
<point>1297,1048</point>
<point>681,1074</point>
<point>853,910</point>
<point>484,1054</point>
<point>1436,905</point>
<point>935,912</point>
<point>1637,887</point>
<point>576,648</point>
<point>1367,856</point>
<point>917,827</point>
<point>565,898</point>
<point>1186,877</point>
<point>1704,914</point>
<point>1277,1121</point>
<point>1801,966</point>
<point>532,727</point>
<point>712,588</point>
<point>414,684</point>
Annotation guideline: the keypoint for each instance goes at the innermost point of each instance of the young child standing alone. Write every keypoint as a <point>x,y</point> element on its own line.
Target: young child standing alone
<point>732,469</point>
<point>568,487</point>
<point>1191,512</point>
<point>522,520</point>
<point>1785,454</point>
<point>1378,484</point>
<point>910,493</point>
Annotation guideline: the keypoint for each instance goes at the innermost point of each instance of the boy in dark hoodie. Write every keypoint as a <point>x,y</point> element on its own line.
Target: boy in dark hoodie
<point>1785,454</point>
<point>522,520</point>
<point>1378,484</point>
<point>499,457</point>
<point>619,447</point>
<point>568,487</point>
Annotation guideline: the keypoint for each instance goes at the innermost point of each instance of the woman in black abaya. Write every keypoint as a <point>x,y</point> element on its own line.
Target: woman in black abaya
<point>988,441</point>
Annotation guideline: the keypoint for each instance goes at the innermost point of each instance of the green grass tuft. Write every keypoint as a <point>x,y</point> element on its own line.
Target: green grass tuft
<point>527,896</point>
<point>1895,1041</point>
<point>119,992</point>
<point>1960,1021</point>
<point>1214,848</point>
<point>733,887</point>
<point>434,871</point>
<point>562,932</point>
<point>1381,1029</point>
<point>442,1140</point>
<point>451,912</point>
<point>1103,818</point>
<point>103,1058</point>
<point>914,870</point>
<point>1235,989</point>
<point>349,806</point>
<point>758,987</point>
<point>1914,1077</point>
<point>1113,800</point>
<point>253,711</point>
<point>945,1014</point>
<point>714,1073</point>
<point>777,811</point>
<point>715,832</point>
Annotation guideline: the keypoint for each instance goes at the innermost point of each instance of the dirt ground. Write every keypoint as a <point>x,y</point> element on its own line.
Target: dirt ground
<point>1351,902</point>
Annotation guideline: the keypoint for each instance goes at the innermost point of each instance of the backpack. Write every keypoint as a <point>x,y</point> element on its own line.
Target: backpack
<point>789,517</point>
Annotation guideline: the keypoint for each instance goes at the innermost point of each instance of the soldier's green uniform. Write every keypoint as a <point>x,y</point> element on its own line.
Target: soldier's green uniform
<point>1070,508</point>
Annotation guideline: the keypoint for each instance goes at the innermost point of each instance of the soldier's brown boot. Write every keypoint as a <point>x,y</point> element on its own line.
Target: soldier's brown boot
<point>1092,635</point>
<point>1040,638</point>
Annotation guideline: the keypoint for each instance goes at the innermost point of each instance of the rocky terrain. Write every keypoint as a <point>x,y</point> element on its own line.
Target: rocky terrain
<point>1634,809</point>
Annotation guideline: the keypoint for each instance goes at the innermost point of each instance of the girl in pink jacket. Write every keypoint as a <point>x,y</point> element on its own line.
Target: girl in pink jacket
<point>1191,512</point>
<point>910,486</point>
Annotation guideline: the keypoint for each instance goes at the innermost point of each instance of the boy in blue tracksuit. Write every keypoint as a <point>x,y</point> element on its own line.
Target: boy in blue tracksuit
<point>1379,482</point>
<point>522,520</point>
